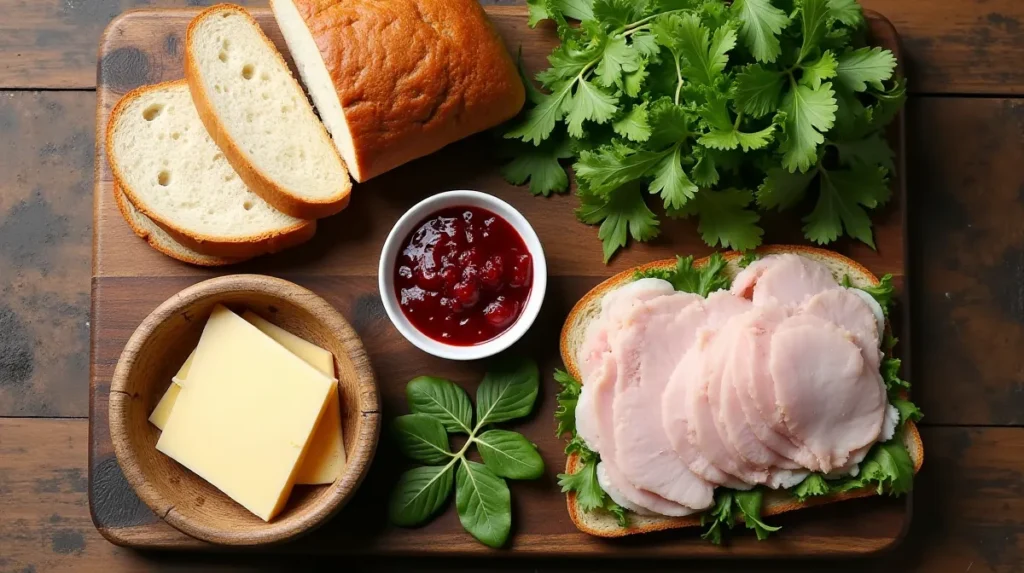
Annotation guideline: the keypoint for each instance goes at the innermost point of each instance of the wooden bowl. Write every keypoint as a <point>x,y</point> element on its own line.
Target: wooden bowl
<point>153,355</point>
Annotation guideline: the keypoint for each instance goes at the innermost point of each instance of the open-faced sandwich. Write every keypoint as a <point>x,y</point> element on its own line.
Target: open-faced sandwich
<point>733,387</point>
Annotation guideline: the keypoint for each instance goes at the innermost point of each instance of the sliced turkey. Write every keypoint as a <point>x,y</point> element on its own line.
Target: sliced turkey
<point>787,280</point>
<point>830,398</point>
<point>847,310</point>
<point>655,336</point>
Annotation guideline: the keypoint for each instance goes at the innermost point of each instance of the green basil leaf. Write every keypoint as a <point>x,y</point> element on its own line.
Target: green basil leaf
<point>508,391</point>
<point>419,494</point>
<point>483,503</point>
<point>509,454</point>
<point>443,400</point>
<point>422,438</point>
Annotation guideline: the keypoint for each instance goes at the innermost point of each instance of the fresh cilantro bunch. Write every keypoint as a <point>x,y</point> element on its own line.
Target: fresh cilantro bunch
<point>715,111</point>
<point>440,407</point>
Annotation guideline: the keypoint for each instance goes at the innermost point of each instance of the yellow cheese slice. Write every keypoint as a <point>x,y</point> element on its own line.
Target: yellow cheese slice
<point>247,414</point>
<point>326,456</point>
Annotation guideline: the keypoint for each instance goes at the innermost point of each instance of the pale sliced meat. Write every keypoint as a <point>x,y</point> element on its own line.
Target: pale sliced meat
<point>676,423</point>
<point>876,309</point>
<point>613,492</point>
<point>830,399</point>
<point>756,389</point>
<point>586,417</point>
<point>847,310</point>
<point>654,338</point>
<point>604,394</point>
<point>702,411</point>
<point>787,280</point>
<point>615,305</point>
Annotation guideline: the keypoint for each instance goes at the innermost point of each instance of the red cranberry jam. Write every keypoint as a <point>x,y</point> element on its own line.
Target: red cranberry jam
<point>463,276</point>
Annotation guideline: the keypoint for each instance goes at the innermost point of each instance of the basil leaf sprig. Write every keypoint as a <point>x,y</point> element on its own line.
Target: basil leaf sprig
<point>440,407</point>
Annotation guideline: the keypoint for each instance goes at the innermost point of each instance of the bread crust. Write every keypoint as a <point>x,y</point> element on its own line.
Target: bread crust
<point>255,178</point>
<point>438,72</point>
<point>203,260</point>
<point>774,502</point>
<point>217,246</point>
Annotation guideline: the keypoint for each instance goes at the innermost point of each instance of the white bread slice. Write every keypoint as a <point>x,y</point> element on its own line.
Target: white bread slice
<point>172,172</point>
<point>603,524</point>
<point>160,240</point>
<point>260,117</point>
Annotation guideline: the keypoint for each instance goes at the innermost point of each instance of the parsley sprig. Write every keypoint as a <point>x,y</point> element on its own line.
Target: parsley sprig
<point>715,111</point>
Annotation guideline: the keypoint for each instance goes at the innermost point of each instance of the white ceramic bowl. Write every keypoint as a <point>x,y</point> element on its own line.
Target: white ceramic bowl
<point>394,244</point>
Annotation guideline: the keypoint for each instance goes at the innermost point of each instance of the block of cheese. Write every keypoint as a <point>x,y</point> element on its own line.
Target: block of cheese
<point>246,415</point>
<point>326,456</point>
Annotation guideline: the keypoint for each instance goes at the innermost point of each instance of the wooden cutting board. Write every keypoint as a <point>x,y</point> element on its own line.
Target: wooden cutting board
<point>130,279</point>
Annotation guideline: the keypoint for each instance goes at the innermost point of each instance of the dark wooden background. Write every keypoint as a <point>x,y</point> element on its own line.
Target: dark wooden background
<point>965,143</point>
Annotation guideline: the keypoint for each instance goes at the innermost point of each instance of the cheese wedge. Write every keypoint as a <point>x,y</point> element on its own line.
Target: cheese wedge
<point>246,415</point>
<point>326,456</point>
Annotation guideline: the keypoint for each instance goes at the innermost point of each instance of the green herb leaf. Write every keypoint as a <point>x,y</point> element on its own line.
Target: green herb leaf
<point>621,213</point>
<point>589,495</point>
<point>671,182</point>
<point>508,390</point>
<point>423,438</point>
<point>634,125</point>
<point>724,132</point>
<point>685,277</point>
<point>703,55</point>
<point>725,218</point>
<point>888,467</point>
<point>746,259</point>
<point>608,168</point>
<point>618,58</point>
<point>575,9</point>
<point>719,517</point>
<point>758,90</point>
<point>819,70</point>
<point>843,196</point>
<point>865,66</point>
<point>509,454</point>
<point>705,172</point>
<point>891,375</point>
<point>814,16</point>
<point>812,485</point>
<point>907,409</point>
<point>483,503</point>
<point>442,399</point>
<point>539,121</point>
<point>419,494</point>
<point>782,189</point>
<point>567,397</point>
<point>538,12</point>
<point>809,113</point>
<point>539,165</point>
<point>871,151</point>
<point>749,504</point>
<point>846,11</point>
<point>588,103</point>
<point>760,25</point>
<point>883,292</point>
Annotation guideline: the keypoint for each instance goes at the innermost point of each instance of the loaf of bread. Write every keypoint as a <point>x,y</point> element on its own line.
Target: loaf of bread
<point>260,117</point>
<point>397,80</point>
<point>171,171</point>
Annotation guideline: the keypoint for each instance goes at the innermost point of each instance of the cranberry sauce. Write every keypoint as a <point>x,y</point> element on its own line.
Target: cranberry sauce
<point>463,276</point>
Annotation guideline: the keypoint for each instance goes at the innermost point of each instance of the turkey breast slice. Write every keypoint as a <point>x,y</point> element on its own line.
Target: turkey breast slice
<point>830,398</point>
<point>847,310</point>
<point>655,336</point>
<point>755,389</point>
<point>786,279</point>
<point>603,398</point>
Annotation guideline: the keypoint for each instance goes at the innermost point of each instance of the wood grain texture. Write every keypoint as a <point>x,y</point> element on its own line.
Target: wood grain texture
<point>154,354</point>
<point>953,46</point>
<point>46,148</point>
<point>967,516</point>
<point>967,192</point>
<point>341,263</point>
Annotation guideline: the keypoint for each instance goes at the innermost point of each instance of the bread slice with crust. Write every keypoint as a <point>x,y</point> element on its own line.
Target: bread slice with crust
<point>604,524</point>
<point>157,238</point>
<point>259,116</point>
<point>167,166</point>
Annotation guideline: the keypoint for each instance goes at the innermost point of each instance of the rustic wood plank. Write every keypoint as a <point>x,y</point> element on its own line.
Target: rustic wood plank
<point>968,514</point>
<point>967,265</point>
<point>543,525</point>
<point>46,148</point>
<point>954,46</point>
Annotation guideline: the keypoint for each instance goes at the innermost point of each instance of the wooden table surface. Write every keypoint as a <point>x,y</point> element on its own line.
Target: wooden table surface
<point>965,143</point>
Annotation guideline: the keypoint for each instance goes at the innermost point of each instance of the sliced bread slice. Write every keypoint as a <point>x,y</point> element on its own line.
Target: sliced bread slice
<point>603,524</point>
<point>260,117</point>
<point>157,238</point>
<point>174,174</point>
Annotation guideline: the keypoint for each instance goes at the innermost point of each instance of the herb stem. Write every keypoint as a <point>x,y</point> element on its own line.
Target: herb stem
<point>641,28</point>
<point>736,124</point>
<point>643,21</point>
<point>679,84</point>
